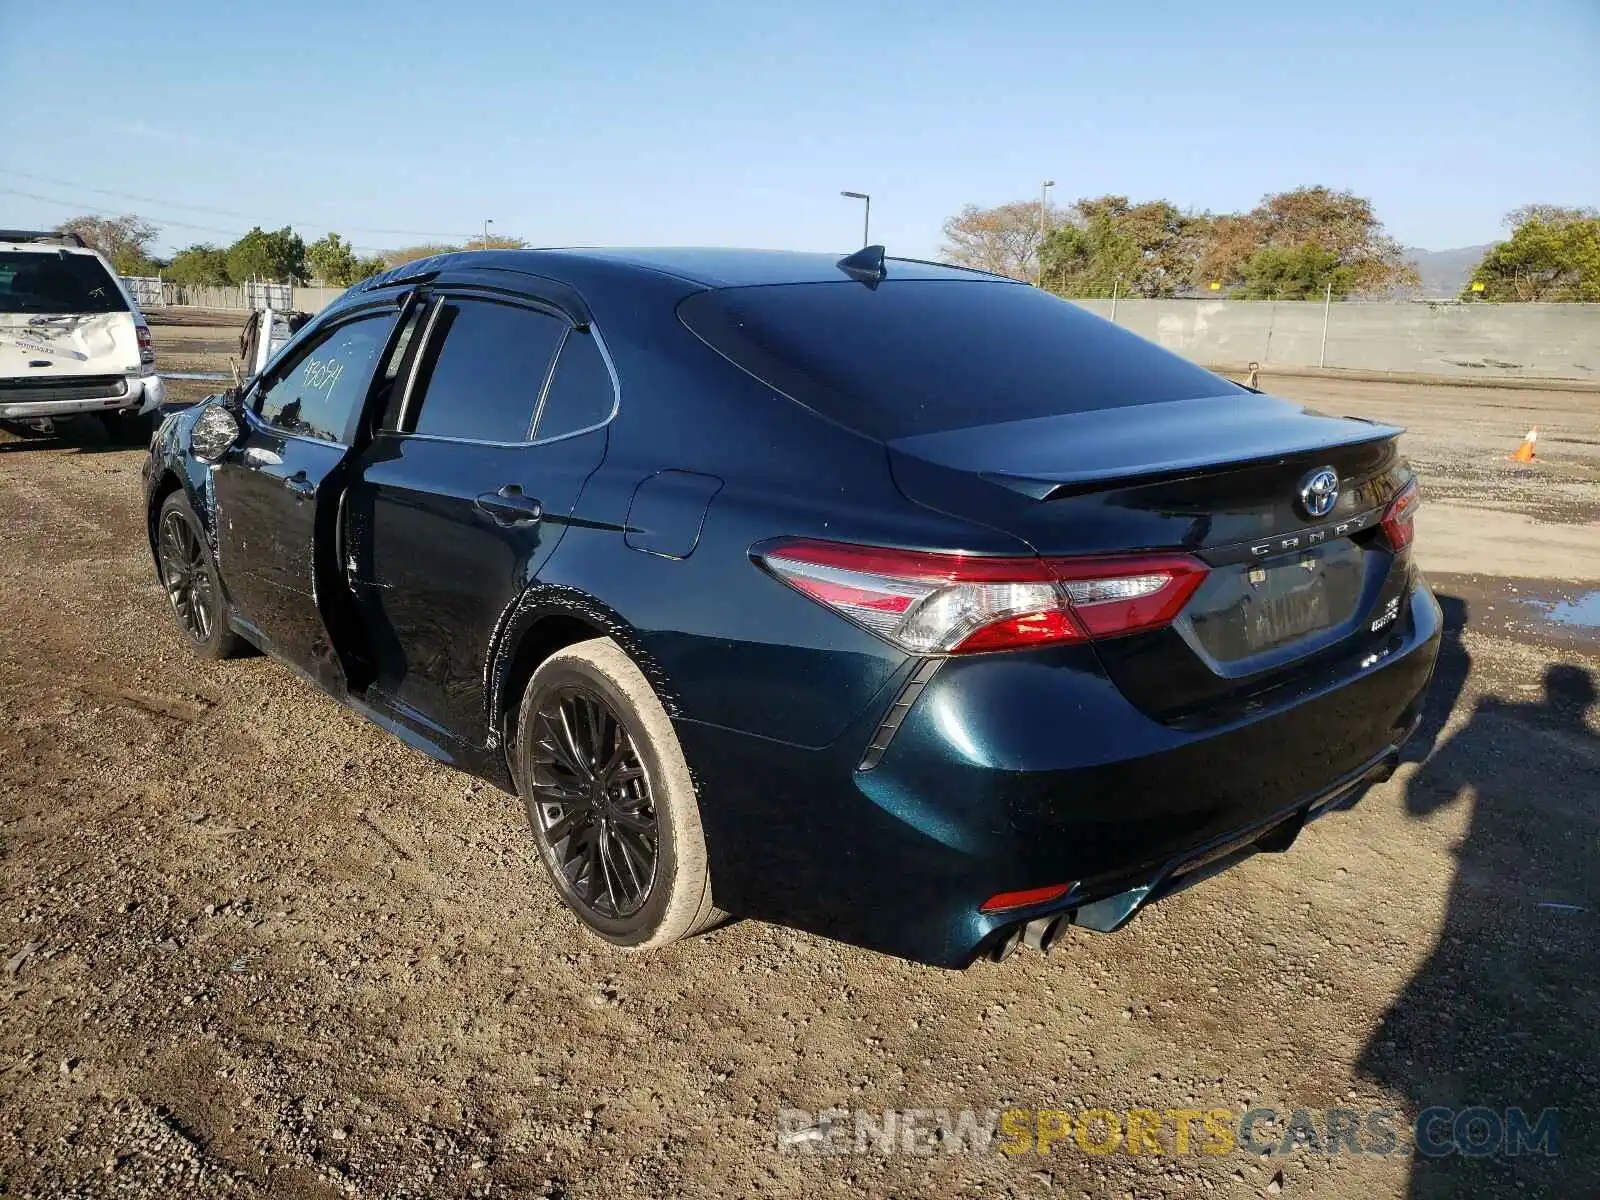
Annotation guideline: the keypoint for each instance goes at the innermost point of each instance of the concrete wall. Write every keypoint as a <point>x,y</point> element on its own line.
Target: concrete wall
<point>315,299</point>
<point>1472,340</point>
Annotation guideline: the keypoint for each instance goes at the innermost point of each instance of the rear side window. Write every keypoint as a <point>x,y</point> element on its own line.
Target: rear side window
<point>581,393</point>
<point>484,381</point>
<point>924,356</point>
<point>55,283</point>
<point>321,392</point>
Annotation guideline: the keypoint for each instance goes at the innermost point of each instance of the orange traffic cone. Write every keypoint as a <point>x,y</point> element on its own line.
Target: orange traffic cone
<point>1525,451</point>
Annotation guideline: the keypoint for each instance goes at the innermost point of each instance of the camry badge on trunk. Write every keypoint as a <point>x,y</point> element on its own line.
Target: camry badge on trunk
<point>1319,491</point>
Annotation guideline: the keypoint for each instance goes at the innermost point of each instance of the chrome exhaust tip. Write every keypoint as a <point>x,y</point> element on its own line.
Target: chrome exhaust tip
<point>1042,933</point>
<point>1006,945</point>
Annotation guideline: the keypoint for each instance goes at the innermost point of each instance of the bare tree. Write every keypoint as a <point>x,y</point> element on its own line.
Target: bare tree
<point>124,240</point>
<point>1004,239</point>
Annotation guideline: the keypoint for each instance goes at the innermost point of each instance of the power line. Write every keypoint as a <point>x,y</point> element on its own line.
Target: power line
<point>91,210</point>
<point>253,219</point>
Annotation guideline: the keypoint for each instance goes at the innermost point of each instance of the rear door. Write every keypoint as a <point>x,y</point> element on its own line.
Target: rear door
<point>464,492</point>
<point>276,520</point>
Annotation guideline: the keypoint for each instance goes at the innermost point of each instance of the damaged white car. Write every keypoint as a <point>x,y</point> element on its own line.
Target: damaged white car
<point>73,344</point>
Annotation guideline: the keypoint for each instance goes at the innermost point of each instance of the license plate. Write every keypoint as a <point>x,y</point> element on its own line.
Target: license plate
<point>1284,602</point>
<point>1263,606</point>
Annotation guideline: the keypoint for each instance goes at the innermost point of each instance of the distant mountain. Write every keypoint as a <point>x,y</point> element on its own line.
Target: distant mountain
<point>1445,272</point>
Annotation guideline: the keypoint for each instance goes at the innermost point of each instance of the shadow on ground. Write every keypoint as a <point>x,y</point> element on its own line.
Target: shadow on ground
<point>1505,1013</point>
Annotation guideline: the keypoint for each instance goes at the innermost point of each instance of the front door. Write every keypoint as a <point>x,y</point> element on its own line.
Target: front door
<point>461,499</point>
<point>275,524</point>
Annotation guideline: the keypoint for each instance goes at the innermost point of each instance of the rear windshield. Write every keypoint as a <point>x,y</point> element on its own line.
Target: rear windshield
<point>56,283</point>
<point>924,356</point>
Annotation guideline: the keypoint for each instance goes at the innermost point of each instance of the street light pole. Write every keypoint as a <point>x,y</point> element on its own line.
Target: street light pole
<point>486,225</point>
<point>866,217</point>
<point>1327,303</point>
<point>1044,189</point>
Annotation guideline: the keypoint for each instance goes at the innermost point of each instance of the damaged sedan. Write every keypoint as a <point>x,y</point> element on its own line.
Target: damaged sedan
<point>889,600</point>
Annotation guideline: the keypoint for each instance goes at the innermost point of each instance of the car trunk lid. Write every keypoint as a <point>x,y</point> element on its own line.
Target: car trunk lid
<point>1223,478</point>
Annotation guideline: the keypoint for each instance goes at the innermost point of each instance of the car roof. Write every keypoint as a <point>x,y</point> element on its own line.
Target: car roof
<point>715,266</point>
<point>711,267</point>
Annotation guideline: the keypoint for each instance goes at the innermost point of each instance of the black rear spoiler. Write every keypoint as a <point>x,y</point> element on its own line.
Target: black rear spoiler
<point>55,237</point>
<point>1048,458</point>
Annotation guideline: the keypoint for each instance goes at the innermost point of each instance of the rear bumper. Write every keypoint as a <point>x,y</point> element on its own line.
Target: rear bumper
<point>1027,770</point>
<point>66,399</point>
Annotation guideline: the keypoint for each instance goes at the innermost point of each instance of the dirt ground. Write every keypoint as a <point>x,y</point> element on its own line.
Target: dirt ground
<point>251,945</point>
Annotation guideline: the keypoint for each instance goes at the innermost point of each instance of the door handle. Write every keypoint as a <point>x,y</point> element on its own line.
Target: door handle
<point>300,486</point>
<point>509,506</point>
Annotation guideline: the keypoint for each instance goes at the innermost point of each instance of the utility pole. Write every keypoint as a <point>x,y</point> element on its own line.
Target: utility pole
<point>1038,270</point>
<point>1115,285</point>
<point>866,217</point>
<point>486,225</point>
<point>1327,303</point>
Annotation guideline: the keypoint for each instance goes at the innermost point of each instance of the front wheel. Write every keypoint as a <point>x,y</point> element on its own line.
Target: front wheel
<point>189,576</point>
<point>610,798</point>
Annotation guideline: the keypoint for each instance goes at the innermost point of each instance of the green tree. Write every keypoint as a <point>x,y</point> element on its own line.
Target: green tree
<point>1553,254</point>
<point>1340,223</point>
<point>279,256</point>
<point>1110,245</point>
<point>199,264</point>
<point>366,268</point>
<point>1301,272</point>
<point>331,260</point>
<point>124,240</point>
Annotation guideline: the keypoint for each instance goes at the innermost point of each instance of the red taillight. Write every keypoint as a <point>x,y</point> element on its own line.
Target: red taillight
<point>1006,901</point>
<point>930,603</point>
<point>147,349</point>
<point>1399,518</point>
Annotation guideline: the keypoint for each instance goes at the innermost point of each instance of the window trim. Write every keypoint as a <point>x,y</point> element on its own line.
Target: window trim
<point>320,333</point>
<point>442,295</point>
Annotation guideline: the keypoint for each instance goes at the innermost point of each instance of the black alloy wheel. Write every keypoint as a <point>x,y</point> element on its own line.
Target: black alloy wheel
<point>187,577</point>
<point>593,804</point>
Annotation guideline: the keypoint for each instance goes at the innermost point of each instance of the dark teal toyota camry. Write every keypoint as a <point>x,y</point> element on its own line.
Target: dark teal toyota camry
<point>897,602</point>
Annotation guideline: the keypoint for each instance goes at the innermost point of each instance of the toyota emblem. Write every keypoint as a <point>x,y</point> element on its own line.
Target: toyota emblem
<point>1319,492</point>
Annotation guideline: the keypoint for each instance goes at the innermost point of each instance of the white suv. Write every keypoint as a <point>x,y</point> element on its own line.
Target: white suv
<point>72,341</point>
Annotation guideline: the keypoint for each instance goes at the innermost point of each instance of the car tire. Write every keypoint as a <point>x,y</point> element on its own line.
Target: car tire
<point>188,574</point>
<point>604,780</point>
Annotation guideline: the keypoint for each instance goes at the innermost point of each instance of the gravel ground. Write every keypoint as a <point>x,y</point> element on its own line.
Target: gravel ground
<point>250,945</point>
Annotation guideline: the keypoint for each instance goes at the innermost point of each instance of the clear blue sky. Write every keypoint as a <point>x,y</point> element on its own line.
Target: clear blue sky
<point>736,123</point>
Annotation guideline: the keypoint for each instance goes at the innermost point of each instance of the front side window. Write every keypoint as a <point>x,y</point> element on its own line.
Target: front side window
<point>325,387</point>
<point>484,381</point>
<point>57,284</point>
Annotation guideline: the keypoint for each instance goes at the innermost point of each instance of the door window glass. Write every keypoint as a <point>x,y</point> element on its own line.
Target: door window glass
<point>484,381</point>
<point>581,393</point>
<point>320,393</point>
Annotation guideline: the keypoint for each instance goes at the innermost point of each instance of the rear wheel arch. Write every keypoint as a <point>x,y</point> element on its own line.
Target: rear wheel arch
<point>545,619</point>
